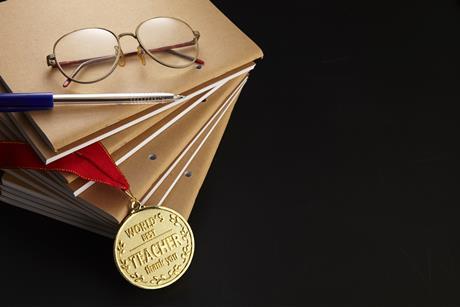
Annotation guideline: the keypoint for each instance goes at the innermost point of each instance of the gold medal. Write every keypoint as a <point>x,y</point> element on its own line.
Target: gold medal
<point>153,247</point>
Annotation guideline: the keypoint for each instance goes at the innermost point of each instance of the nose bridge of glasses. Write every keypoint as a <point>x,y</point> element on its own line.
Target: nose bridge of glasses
<point>140,51</point>
<point>127,34</point>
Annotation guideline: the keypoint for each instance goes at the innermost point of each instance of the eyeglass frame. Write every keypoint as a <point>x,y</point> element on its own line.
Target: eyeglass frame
<point>119,57</point>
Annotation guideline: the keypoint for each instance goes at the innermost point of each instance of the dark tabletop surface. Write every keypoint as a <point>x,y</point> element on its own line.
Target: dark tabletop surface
<point>336,182</point>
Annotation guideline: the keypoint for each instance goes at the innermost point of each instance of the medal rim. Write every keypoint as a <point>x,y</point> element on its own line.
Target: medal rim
<point>126,219</point>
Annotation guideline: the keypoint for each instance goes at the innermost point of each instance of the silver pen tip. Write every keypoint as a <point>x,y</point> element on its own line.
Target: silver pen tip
<point>178,97</point>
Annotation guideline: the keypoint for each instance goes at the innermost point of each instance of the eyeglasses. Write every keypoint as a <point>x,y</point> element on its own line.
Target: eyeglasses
<point>90,55</point>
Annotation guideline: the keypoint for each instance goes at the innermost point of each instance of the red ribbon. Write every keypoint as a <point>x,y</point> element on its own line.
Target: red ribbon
<point>91,163</point>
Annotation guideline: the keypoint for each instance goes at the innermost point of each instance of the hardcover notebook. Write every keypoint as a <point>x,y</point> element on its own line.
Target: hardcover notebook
<point>164,151</point>
<point>101,208</point>
<point>63,130</point>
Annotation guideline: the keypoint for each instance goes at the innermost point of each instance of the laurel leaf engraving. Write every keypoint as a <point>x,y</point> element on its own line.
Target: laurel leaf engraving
<point>137,277</point>
<point>124,265</point>
<point>120,247</point>
<point>174,219</point>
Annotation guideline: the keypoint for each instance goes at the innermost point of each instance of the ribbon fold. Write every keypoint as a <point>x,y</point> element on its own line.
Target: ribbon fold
<point>91,163</point>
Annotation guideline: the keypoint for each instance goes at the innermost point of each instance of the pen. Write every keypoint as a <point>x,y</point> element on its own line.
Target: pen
<point>24,102</point>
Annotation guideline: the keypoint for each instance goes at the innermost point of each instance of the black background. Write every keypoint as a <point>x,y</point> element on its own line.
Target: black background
<point>336,181</point>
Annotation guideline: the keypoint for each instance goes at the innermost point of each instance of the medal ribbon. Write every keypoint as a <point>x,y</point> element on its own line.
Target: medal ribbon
<point>90,163</point>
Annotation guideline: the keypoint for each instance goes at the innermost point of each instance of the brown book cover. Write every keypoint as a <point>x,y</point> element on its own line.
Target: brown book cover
<point>222,45</point>
<point>179,190</point>
<point>142,173</point>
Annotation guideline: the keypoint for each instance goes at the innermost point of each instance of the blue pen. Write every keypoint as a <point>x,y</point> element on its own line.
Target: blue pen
<point>25,102</point>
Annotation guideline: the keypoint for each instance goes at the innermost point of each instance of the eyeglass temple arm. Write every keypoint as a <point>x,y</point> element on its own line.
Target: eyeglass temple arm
<point>160,49</point>
<point>84,62</point>
<point>83,65</point>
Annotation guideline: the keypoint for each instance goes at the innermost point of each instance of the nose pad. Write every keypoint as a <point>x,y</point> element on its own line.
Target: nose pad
<point>121,59</point>
<point>141,54</point>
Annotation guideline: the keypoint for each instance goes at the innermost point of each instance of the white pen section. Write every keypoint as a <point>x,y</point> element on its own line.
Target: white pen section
<point>147,116</point>
<point>115,98</point>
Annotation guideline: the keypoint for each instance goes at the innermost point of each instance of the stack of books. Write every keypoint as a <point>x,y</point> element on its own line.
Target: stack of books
<point>163,150</point>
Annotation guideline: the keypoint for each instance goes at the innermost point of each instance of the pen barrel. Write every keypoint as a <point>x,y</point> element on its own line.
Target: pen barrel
<point>24,102</point>
<point>115,97</point>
